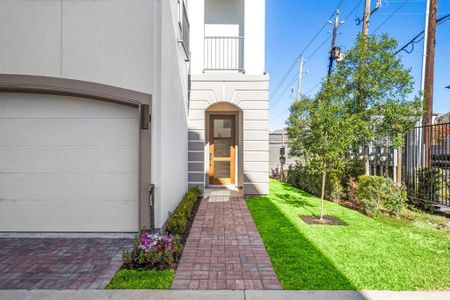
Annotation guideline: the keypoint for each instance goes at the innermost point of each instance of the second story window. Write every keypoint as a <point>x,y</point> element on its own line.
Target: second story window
<point>184,27</point>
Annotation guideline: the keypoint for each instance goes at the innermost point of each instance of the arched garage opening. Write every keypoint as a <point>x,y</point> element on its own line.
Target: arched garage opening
<point>75,156</point>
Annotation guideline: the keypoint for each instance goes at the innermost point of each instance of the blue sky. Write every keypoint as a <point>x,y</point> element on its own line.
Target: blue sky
<point>291,24</point>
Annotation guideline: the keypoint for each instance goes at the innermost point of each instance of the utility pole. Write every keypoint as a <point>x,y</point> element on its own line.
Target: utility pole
<point>300,77</point>
<point>430,32</point>
<point>365,32</point>
<point>333,53</point>
<point>365,29</point>
<point>428,75</point>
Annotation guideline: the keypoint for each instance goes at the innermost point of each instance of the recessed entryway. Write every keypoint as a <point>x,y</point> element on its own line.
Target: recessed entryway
<point>222,149</point>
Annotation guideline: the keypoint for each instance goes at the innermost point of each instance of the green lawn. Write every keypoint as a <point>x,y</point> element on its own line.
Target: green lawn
<point>381,253</point>
<point>141,279</point>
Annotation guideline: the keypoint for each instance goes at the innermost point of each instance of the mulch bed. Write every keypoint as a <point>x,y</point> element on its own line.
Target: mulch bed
<point>327,220</point>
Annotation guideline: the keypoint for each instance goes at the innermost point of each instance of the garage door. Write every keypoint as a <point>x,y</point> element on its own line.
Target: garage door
<point>67,164</point>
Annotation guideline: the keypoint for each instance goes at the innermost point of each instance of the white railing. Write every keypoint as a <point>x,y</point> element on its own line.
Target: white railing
<point>224,53</point>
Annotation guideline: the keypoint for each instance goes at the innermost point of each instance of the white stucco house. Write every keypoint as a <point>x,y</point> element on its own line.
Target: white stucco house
<point>104,100</point>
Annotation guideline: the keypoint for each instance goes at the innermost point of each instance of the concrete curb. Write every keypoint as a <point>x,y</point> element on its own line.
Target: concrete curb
<point>218,295</point>
<point>68,235</point>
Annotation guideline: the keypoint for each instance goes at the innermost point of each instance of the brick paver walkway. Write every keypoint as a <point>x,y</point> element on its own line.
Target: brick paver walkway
<point>59,263</point>
<point>224,250</point>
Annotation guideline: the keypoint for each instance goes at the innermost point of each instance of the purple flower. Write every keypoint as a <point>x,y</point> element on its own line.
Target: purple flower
<point>156,241</point>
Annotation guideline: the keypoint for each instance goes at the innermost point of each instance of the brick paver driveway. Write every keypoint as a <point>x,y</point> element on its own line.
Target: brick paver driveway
<point>59,263</point>
<point>224,250</point>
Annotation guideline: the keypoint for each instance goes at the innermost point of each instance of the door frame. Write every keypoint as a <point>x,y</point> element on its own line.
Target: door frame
<point>233,149</point>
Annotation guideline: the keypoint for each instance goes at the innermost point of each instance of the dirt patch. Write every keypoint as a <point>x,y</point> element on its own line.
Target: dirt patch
<point>327,220</point>
<point>350,204</point>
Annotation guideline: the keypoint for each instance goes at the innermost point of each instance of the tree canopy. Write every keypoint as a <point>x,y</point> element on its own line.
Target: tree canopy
<point>365,101</point>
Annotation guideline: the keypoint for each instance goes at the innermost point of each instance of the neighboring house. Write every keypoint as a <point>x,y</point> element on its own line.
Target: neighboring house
<point>277,140</point>
<point>94,109</point>
<point>442,118</point>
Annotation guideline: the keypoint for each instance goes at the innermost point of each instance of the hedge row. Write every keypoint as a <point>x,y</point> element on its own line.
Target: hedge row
<point>180,220</point>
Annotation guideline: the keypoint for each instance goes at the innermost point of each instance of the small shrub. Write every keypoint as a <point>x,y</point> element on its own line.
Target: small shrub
<point>377,194</point>
<point>153,251</point>
<point>162,252</point>
<point>180,220</point>
<point>303,178</point>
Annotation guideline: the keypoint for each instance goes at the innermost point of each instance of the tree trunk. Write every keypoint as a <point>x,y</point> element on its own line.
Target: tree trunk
<point>324,177</point>
<point>366,159</point>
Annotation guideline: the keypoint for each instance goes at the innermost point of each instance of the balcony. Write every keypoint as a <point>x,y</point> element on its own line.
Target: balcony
<point>227,36</point>
<point>224,53</point>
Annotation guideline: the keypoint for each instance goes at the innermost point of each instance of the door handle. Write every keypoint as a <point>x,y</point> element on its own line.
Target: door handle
<point>210,159</point>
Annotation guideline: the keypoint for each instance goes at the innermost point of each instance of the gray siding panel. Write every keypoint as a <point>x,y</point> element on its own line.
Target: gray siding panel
<point>196,177</point>
<point>196,167</point>
<point>196,146</point>
<point>196,156</point>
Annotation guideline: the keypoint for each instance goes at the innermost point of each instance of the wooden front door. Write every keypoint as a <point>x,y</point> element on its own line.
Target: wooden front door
<point>222,149</point>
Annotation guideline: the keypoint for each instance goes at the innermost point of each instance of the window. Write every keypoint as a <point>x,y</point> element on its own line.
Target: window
<point>183,24</point>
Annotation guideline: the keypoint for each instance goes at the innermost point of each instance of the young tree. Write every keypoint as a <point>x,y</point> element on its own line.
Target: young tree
<point>376,88</point>
<point>320,131</point>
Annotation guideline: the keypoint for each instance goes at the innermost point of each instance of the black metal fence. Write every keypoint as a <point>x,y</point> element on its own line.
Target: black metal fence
<point>426,165</point>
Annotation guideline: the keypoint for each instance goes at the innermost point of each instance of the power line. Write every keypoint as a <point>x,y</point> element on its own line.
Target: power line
<point>285,90</point>
<point>296,76</point>
<point>405,13</point>
<point>318,48</point>
<point>353,10</point>
<point>307,93</point>
<point>401,1</point>
<point>419,37</point>
<point>390,16</point>
<point>282,113</point>
<point>303,51</point>
<point>308,58</point>
<point>316,85</point>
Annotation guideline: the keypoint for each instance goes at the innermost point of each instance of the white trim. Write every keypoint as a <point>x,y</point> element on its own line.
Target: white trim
<point>221,186</point>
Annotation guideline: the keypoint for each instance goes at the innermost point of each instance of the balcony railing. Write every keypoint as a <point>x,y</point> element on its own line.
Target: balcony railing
<point>224,53</point>
<point>183,22</point>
